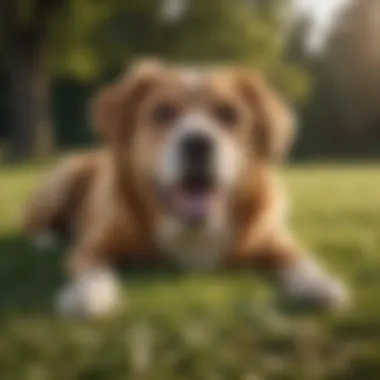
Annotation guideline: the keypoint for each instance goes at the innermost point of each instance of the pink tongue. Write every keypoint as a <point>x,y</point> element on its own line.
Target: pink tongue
<point>193,205</point>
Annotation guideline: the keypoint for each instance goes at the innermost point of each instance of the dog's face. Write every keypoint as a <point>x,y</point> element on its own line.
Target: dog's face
<point>192,134</point>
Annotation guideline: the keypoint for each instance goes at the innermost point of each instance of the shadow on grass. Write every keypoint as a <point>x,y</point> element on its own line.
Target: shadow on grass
<point>30,278</point>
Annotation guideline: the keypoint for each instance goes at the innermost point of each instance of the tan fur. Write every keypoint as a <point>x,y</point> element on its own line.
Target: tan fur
<point>102,193</point>
<point>61,194</point>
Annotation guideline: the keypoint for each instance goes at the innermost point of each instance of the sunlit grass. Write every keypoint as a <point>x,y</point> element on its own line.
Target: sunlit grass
<point>182,326</point>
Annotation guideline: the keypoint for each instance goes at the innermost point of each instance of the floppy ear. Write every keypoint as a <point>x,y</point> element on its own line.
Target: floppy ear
<point>114,108</point>
<point>274,121</point>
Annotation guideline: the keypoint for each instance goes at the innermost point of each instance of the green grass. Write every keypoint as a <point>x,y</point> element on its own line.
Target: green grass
<point>202,326</point>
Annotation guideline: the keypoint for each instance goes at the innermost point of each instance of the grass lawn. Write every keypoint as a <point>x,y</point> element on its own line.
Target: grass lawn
<point>211,327</point>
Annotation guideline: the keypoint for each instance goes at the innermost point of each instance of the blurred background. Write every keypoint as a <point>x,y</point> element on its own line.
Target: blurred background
<point>324,55</point>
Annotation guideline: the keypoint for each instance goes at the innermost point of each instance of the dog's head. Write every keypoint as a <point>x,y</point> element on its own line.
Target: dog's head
<point>192,134</point>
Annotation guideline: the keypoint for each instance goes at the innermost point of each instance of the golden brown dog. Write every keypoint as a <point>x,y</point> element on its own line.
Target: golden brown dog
<point>187,175</point>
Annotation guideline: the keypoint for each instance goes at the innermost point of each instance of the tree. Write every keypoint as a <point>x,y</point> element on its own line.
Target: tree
<point>354,59</point>
<point>25,26</point>
<point>88,39</point>
<point>343,116</point>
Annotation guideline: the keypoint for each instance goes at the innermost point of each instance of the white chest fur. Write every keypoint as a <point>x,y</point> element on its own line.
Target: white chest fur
<point>194,248</point>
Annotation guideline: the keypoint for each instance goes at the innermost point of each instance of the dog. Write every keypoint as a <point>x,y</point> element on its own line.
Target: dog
<point>187,175</point>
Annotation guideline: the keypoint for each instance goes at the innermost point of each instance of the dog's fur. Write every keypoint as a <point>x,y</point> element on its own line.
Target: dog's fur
<point>103,199</point>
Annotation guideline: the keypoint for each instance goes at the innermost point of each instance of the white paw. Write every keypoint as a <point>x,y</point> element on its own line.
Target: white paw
<point>95,293</point>
<point>306,283</point>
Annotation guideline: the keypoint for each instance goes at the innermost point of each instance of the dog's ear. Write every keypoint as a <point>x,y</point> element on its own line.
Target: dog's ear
<point>114,108</point>
<point>273,120</point>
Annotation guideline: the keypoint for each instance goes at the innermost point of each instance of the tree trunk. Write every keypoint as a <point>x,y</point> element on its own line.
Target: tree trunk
<point>31,132</point>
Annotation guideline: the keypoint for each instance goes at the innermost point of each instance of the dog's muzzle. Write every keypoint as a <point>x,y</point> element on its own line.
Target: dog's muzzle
<point>196,170</point>
<point>194,193</point>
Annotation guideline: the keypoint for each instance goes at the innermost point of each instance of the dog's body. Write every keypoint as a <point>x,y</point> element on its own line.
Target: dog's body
<point>84,191</point>
<point>187,175</point>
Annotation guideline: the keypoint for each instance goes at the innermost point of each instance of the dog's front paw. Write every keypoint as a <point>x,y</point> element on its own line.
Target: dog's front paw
<point>93,294</point>
<point>305,284</point>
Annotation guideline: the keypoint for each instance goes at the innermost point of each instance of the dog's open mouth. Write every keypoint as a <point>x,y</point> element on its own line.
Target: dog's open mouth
<point>192,204</point>
<point>193,207</point>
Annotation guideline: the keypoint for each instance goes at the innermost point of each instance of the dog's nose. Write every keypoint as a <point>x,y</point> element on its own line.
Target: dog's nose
<point>197,149</point>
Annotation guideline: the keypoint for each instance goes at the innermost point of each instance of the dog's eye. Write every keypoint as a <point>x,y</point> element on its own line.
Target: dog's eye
<point>226,113</point>
<point>165,113</point>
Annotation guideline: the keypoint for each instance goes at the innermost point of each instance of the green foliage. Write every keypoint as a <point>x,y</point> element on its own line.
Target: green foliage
<point>190,327</point>
<point>89,40</point>
<point>73,47</point>
<point>96,37</point>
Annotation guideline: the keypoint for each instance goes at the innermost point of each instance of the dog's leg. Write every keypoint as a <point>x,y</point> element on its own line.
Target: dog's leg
<point>94,288</point>
<point>299,276</point>
<point>50,210</point>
